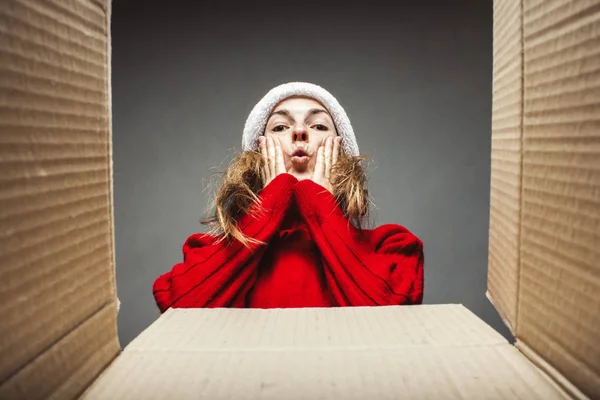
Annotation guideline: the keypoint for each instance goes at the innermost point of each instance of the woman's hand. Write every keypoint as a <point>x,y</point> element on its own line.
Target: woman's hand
<point>327,156</point>
<point>274,165</point>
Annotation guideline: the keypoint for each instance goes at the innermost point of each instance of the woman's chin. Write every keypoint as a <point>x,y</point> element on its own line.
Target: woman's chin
<point>299,164</point>
<point>301,175</point>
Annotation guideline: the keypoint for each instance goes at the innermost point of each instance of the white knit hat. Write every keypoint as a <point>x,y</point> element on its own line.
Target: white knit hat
<point>257,120</point>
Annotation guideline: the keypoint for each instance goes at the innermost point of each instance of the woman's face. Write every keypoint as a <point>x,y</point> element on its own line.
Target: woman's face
<point>301,124</point>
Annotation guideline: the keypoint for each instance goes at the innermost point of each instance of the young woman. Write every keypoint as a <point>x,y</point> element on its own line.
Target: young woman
<point>286,230</point>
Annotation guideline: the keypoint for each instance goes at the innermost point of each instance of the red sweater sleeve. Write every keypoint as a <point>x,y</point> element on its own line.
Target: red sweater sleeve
<point>217,273</point>
<point>362,268</point>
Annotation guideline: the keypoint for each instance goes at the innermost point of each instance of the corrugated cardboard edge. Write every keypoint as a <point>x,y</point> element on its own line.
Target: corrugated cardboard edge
<point>562,384</point>
<point>431,325</point>
<point>520,234</point>
<point>503,294</point>
<point>107,5</point>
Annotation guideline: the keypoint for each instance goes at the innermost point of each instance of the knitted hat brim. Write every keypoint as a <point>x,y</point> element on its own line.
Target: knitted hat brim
<point>257,120</point>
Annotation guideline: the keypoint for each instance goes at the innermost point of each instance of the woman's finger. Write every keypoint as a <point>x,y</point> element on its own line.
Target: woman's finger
<point>336,151</point>
<point>271,156</point>
<point>279,163</point>
<point>319,164</point>
<point>327,156</point>
<point>263,151</point>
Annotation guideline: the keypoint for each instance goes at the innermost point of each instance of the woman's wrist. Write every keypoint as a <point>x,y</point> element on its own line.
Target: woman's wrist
<point>314,199</point>
<point>277,194</point>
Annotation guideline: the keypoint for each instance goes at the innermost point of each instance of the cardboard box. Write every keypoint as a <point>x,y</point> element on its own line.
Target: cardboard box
<point>57,282</point>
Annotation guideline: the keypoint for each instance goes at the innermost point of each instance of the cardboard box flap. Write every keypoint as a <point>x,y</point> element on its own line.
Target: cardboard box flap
<point>368,327</point>
<point>404,372</point>
<point>67,368</point>
<point>559,306</point>
<point>545,194</point>
<point>56,247</point>
<point>351,353</point>
<point>505,180</point>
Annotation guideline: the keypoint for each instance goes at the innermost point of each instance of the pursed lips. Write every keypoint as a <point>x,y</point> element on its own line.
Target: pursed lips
<point>300,153</point>
<point>300,156</point>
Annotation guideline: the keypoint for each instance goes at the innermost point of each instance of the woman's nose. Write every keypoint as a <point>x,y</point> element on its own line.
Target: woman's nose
<point>300,134</point>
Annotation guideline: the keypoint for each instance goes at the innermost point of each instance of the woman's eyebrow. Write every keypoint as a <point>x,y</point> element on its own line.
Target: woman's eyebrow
<point>285,113</point>
<point>310,113</point>
<point>314,111</point>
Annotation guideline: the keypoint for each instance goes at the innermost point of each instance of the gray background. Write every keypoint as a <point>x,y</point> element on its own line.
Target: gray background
<point>414,79</point>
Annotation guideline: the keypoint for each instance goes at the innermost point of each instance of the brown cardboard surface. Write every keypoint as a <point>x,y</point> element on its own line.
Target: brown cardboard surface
<point>56,247</point>
<point>399,373</point>
<point>426,325</point>
<point>559,306</point>
<point>70,365</point>
<point>412,352</point>
<point>57,282</point>
<point>505,193</point>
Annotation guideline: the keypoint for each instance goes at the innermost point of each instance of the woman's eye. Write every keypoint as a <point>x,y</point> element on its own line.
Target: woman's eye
<point>320,127</point>
<point>278,128</point>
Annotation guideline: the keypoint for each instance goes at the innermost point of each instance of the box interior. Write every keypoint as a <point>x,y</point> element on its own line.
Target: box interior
<point>58,275</point>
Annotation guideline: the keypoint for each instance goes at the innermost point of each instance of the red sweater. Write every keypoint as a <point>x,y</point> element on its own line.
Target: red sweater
<point>313,258</point>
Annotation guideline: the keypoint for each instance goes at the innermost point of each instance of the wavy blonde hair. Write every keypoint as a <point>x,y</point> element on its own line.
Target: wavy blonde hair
<point>242,182</point>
